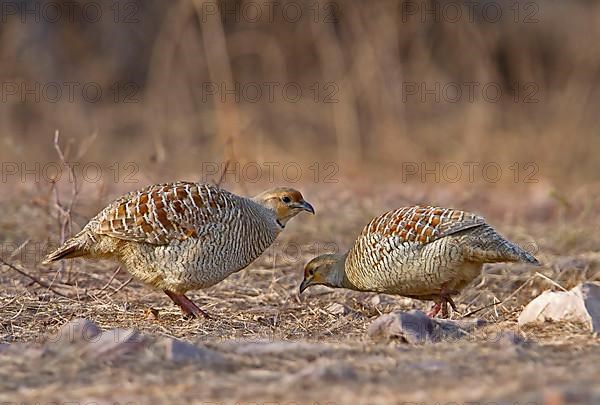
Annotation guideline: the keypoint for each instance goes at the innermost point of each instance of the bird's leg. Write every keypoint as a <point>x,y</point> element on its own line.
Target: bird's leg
<point>446,298</point>
<point>451,302</point>
<point>187,306</point>
<point>444,309</point>
<point>434,310</point>
<point>441,304</point>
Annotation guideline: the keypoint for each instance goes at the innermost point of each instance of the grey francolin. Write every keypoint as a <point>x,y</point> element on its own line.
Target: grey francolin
<point>183,236</point>
<point>427,253</point>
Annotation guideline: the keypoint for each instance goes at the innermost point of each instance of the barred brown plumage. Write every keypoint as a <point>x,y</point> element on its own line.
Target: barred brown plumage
<point>185,236</point>
<point>428,253</point>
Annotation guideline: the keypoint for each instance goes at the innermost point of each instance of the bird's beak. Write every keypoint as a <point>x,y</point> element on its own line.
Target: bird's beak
<point>304,205</point>
<point>304,285</point>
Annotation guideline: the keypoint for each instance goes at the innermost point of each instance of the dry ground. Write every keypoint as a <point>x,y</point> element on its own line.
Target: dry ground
<point>325,357</point>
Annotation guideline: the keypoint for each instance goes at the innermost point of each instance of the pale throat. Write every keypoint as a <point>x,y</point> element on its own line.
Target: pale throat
<point>279,223</point>
<point>282,221</point>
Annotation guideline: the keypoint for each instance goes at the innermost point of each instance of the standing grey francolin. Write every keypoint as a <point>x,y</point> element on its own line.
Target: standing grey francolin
<point>427,253</point>
<point>185,236</point>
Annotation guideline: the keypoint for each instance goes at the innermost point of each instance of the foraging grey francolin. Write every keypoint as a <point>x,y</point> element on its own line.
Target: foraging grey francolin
<point>184,236</point>
<point>422,252</point>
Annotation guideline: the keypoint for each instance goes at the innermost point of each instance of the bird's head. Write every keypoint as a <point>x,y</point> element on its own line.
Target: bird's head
<point>285,202</point>
<point>326,269</point>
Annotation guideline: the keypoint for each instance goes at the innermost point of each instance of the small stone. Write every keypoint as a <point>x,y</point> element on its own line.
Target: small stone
<point>554,306</point>
<point>590,293</point>
<point>415,327</point>
<point>183,352</point>
<point>116,342</point>
<point>338,309</point>
<point>410,327</point>
<point>457,328</point>
<point>75,331</point>
<point>381,299</point>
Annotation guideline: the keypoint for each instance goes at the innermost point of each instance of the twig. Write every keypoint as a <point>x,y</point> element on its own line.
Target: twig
<point>551,281</point>
<point>10,302</point>
<point>121,286</point>
<point>18,249</point>
<point>32,278</point>
<point>501,302</point>
<point>65,213</point>
<point>218,183</point>
<point>111,278</point>
<point>483,307</point>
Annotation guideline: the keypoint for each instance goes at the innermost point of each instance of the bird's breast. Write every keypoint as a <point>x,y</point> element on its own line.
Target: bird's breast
<point>391,265</point>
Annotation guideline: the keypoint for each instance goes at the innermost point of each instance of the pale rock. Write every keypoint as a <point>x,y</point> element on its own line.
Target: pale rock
<point>338,309</point>
<point>381,299</point>
<point>580,304</point>
<point>78,330</point>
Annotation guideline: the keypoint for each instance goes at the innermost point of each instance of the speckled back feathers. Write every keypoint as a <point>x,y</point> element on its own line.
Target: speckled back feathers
<point>160,213</point>
<point>421,224</point>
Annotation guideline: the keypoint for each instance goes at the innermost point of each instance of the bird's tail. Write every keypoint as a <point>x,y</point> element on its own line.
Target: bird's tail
<point>489,246</point>
<point>74,247</point>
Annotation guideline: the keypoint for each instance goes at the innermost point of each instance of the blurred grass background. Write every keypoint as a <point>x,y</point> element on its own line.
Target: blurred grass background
<point>364,69</point>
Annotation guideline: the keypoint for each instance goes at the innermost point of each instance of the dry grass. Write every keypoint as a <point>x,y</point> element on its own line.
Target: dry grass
<point>332,359</point>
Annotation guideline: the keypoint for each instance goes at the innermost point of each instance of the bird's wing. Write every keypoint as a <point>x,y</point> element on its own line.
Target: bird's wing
<point>160,213</point>
<point>422,224</point>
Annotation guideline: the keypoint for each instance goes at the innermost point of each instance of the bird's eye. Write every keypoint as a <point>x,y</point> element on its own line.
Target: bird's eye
<point>311,272</point>
<point>286,199</point>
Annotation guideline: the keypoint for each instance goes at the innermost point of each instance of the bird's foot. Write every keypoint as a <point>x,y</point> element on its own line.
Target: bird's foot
<point>189,309</point>
<point>442,305</point>
<point>434,310</point>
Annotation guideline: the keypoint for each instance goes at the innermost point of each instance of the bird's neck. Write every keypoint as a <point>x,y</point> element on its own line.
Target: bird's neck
<point>338,276</point>
<point>266,213</point>
<point>271,211</point>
